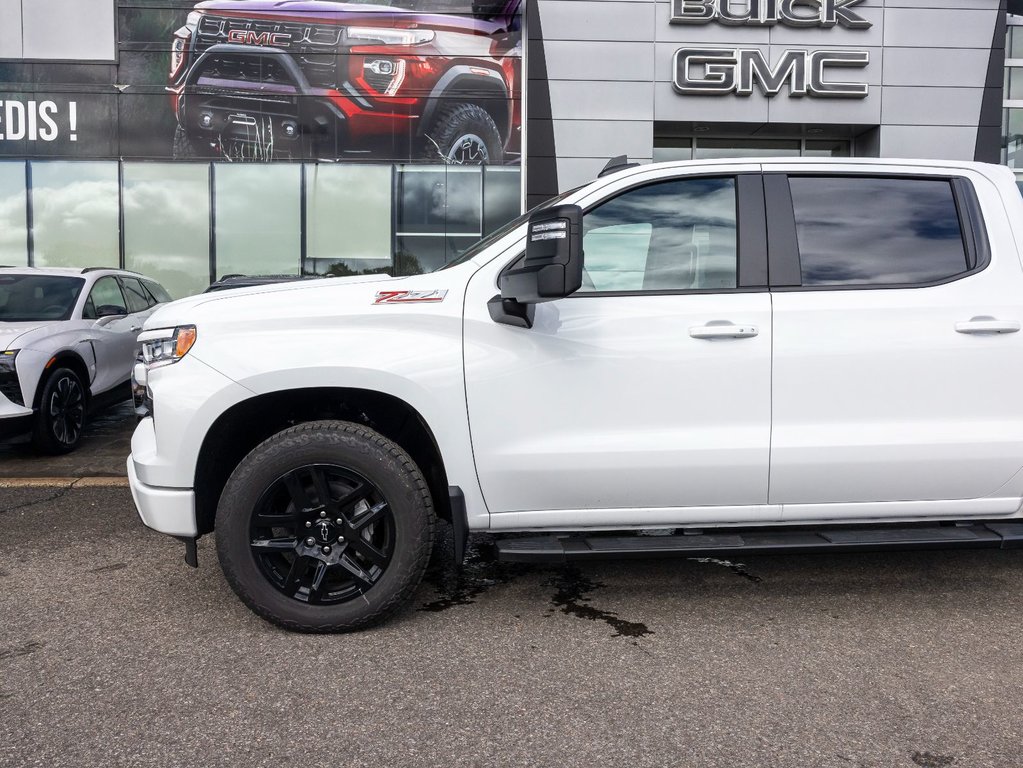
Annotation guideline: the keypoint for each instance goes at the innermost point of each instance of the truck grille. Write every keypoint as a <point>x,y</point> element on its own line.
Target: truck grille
<point>315,48</point>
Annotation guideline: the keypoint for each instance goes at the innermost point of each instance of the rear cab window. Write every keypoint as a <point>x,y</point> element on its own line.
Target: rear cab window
<point>883,231</point>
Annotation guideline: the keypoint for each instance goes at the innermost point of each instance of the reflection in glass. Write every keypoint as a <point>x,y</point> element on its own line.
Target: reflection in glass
<point>876,231</point>
<point>75,214</point>
<point>348,219</point>
<point>668,148</point>
<point>13,221</point>
<point>258,219</point>
<point>707,149</point>
<point>167,224</point>
<point>439,200</point>
<point>502,197</point>
<point>675,235</point>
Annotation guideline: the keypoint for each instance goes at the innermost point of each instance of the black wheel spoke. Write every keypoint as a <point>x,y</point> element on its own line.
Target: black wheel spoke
<point>293,581</point>
<point>350,499</point>
<point>322,489</point>
<point>368,551</point>
<point>316,586</point>
<point>362,579</point>
<point>370,516</point>
<point>284,544</point>
<point>267,520</point>
<point>297,492</point>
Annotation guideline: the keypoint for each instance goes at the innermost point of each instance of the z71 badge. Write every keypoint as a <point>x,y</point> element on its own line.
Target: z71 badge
<point>409,297</point>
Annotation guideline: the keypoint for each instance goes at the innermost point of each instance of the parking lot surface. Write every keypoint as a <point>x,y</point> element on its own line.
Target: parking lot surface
<point>106,443</point>
<point>113,652</point>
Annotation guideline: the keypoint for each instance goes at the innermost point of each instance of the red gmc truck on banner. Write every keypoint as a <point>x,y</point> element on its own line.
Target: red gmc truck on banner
<point>264,80</point>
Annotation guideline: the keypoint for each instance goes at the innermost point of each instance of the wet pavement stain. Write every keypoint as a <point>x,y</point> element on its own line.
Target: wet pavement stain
<point>480,572</point>
<point>739,569</point>
<point>24,649</point>
<point>931,760</point>
<point>572,598</point>
<point>109,568</point>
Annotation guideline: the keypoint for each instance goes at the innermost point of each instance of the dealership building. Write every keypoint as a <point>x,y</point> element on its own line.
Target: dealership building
<point>156,136</point>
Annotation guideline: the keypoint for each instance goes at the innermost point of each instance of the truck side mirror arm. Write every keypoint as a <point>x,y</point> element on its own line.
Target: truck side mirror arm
<point>552,268</point>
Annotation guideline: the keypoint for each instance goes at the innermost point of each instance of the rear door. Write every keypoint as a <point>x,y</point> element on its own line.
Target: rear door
<point>897,351</point>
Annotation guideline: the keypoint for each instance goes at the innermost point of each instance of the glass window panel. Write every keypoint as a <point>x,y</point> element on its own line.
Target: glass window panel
<point>865,231</point>
<point>667,148</point>
<point>13,212</point>
<point>826,148</point>
<point>348,219</point>
<point>24,298</point>
<point>707,149</point>
<point>167,224</point>
<point>75,214</point>
<point>1015,43</point>
<point>439,200</point>
<point>106,298</point>
<point>138,299</point>
<point>259,219</point>
<point>502,197</point>
<point>675,235</point>
<point>425,253</point>
<point>1013,83</point>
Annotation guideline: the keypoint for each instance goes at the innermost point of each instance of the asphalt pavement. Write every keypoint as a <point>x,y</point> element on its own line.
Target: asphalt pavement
<point>114,653</point>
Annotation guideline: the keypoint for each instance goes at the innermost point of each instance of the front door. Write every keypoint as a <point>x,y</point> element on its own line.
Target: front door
<point>647,391</point>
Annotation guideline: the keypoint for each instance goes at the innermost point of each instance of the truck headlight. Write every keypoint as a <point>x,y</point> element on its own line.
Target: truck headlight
<point>165,346</point>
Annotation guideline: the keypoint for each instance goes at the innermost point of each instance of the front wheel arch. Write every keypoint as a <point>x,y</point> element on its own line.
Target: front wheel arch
<point>245,425</point>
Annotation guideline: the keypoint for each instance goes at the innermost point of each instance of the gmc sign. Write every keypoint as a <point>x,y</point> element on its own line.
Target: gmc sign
<point>249,37</point>
<point>718,72</point>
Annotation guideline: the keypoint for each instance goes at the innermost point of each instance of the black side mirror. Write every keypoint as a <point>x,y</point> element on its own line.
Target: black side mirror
<point>109,310</point>
<point>552,268</point>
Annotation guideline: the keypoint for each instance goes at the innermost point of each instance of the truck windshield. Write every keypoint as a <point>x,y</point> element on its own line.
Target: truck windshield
<point>28,298</point>
<point>497,234</point>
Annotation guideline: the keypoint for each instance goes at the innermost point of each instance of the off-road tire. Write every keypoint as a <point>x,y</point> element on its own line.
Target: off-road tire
<point>359,449</point>
<point>463,125</point>
<point>186,149</point>
<point>44,431</point>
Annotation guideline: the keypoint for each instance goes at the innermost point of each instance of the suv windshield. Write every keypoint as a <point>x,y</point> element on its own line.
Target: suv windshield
<point>27,298</point>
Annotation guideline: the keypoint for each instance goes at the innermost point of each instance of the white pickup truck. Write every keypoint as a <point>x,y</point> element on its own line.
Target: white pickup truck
<point>760,355</point>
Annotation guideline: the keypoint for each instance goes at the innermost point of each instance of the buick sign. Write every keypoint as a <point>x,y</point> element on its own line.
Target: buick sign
<point>763,13</point>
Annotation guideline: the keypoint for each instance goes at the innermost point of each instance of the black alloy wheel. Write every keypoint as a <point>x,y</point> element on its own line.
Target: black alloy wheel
<point>322,534</point>
<point>326,526</point>
<point>61,415</point>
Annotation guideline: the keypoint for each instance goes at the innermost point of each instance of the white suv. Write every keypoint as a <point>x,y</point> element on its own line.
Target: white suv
<point>67,345</point>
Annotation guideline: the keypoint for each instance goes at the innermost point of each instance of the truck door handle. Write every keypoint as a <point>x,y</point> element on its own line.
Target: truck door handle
<point>982,325</point>
<point>713,331</point>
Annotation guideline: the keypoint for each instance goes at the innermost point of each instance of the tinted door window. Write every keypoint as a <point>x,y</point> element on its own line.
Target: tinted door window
<point>157,292</point>
<point>876,231</point>
<point>138,299</point>
<point>676,235</point>
<point>107,299</point>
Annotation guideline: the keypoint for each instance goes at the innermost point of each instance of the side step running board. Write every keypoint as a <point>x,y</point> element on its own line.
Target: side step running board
<point>561,549</point>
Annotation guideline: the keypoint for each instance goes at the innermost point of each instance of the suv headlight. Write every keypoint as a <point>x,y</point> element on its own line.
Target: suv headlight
<point>165,346</point>
<point>389,36</point>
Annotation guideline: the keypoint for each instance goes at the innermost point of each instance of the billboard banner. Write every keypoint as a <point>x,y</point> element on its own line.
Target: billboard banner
<point>433,81</point>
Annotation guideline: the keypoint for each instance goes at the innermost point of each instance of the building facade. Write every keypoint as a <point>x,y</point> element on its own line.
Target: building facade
<point>190,140</point>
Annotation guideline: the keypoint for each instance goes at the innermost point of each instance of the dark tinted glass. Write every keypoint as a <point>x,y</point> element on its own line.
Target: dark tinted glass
<point>871,231</point>
<point>138,299</point>
<point>24,298</point>
<point>157,292</point>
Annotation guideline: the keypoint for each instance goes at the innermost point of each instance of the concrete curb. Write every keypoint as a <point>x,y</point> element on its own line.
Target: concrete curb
<point>63,482</point>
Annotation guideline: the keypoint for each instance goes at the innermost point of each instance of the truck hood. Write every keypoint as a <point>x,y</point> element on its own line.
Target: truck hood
<point>289,297</point>
<point>10,333</point>
<point>331,12</point>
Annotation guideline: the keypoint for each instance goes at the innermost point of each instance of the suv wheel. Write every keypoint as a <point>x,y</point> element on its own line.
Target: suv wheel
<point>464,134</point>
<point>61,417</point>
<point>185,148</point>
<point>325,527</point>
